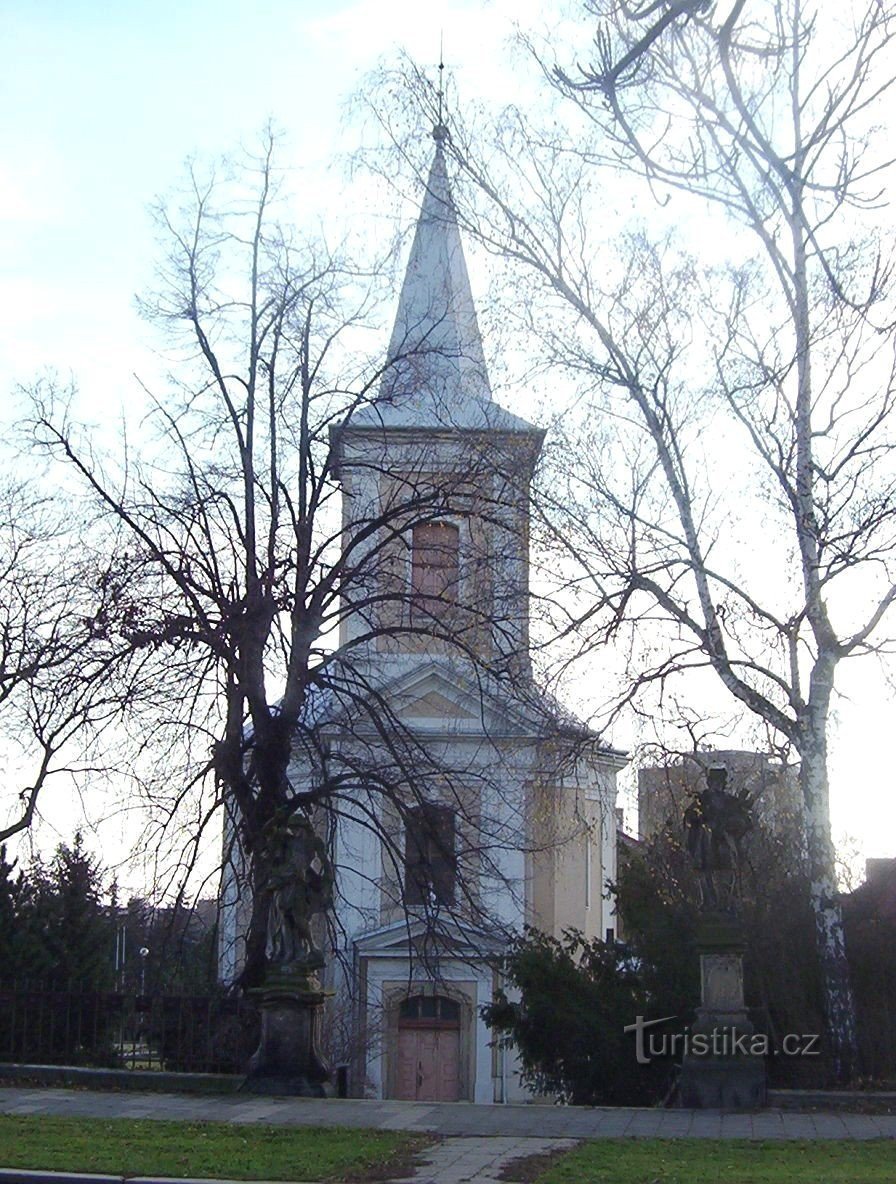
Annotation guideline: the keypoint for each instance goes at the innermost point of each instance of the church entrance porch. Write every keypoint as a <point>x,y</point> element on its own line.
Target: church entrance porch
<point>420,1036</point>
<point>428,1055</point>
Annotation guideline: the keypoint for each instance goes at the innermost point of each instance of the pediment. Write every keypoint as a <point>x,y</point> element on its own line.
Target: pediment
<point>402,939</point>
<point>442,697</point>
<point>437,696</point>
<point>434,705</point>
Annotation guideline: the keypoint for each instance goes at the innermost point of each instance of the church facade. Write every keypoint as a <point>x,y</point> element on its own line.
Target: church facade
<point>478,806</point>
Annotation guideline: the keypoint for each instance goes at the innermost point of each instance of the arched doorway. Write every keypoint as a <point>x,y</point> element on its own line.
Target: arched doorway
<point>428,1049</point>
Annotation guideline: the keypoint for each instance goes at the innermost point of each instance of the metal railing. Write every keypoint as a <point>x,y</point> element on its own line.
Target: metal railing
<point>46,1025</point>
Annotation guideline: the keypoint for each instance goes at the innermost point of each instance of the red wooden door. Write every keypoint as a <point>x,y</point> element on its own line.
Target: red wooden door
<point>428,1064</point>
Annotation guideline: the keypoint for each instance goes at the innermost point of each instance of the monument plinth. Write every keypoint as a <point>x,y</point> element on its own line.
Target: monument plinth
<point>288,1060</point>
<point>721,1069</point>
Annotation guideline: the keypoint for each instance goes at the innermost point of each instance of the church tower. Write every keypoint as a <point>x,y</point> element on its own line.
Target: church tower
<point>444,470</point>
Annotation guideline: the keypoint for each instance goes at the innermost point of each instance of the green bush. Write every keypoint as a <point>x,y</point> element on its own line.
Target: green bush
<point>576,997</point>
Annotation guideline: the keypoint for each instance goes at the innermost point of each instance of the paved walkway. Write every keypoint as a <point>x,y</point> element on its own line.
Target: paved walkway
<point>478,1161</point>
<point>457,1119</point>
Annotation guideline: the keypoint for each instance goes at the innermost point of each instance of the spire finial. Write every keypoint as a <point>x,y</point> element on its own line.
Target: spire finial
<point>440,131</point>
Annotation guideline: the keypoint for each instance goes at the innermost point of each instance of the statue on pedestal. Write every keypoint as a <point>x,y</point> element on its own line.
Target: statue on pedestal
<point>716,1073</point>
<point>288,1059</point>
<point>716,823</point>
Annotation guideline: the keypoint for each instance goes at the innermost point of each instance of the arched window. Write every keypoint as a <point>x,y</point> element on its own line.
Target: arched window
<point>435,547</point>
<point>429,1011</point>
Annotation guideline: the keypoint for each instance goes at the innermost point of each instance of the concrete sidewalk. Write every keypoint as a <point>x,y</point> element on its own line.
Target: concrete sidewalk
<point>457,1119</point>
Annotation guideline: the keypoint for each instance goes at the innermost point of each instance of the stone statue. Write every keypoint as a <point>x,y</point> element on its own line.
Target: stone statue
<point>716,822</point>
<point>300,884</point>
<point>288,1059</point>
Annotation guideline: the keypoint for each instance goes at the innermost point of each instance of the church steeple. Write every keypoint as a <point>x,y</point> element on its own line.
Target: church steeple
<point>444,465</point>
<point>435,374</point>
<point>435,348</point>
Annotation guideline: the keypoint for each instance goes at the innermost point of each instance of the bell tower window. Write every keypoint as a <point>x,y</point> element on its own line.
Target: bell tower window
<point>435,548</point>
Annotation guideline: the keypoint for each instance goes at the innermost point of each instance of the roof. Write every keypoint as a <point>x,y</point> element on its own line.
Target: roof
<point>435,373</point>
<point>523,708</point>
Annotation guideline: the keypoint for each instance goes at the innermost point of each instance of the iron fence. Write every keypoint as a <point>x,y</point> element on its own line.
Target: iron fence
<point>41,1025</point>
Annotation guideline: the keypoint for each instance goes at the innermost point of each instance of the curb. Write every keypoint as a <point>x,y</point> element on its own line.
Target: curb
<point>148,1080</point>
<point>27,1176</point>
<point>832,1101</point>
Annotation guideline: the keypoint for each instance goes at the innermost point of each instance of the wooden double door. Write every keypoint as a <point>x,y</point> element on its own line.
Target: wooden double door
<point>428,1050</point>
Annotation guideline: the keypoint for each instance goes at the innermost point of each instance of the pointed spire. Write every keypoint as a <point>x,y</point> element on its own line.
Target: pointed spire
<point>435,353</point>
<point>435,375</point>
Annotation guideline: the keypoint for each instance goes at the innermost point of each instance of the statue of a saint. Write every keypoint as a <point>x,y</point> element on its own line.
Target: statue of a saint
<point>716,822</point>
<point>300,884</point>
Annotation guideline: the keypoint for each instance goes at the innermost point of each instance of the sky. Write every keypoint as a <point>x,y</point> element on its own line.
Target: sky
<point>103,102</point>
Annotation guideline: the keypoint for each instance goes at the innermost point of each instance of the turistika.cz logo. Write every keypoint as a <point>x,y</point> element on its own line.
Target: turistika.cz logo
<point>719,1042</point>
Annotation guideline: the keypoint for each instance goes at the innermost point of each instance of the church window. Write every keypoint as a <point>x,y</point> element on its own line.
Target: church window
<point>430,858</point>
<point>430,1011</point>
<point>435,547</point>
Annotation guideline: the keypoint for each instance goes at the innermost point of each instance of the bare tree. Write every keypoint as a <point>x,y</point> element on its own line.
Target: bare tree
<point>250,603</point>
<point>53,698</point>
<point>761,388</point>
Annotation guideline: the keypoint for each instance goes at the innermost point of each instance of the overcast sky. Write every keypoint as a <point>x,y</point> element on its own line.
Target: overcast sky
<point>102,103</point>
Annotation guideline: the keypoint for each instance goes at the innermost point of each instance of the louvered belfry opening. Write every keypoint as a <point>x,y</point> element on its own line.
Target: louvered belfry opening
<point>435,553</point>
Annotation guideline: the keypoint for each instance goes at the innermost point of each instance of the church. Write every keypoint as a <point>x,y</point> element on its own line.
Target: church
<point>479,806</point>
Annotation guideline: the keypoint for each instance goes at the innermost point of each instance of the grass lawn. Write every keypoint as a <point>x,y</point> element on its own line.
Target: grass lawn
<point>724,1161</point>
<point>142,1147</point>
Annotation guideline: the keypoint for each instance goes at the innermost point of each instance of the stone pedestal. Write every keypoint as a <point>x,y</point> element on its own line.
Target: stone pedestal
<point>722,1069</point>
<point>288,1059</point>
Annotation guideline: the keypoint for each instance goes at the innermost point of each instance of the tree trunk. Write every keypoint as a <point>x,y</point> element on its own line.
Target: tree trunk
<point>833,965</point>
